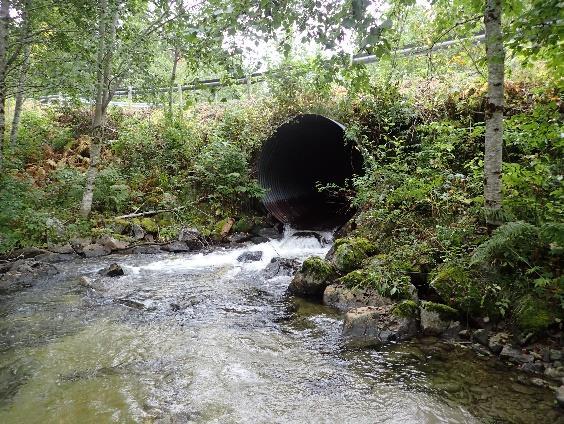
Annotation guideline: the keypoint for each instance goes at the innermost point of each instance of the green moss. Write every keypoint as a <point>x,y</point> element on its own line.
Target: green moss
<point>149,225</point>
<point>355,278</point>
<point>405,309</point>
<point>317,267</point>
<point>445,312</point>
<point>456,288</point>
<point>533,314</point>
<point>351,252</point>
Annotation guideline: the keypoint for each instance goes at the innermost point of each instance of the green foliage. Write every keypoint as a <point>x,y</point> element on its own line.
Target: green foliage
<point>533,188</point>
<point>221,172</point>
<point>38,131</point>
<point>386,283</point>
<point>458,288</point>
<point>533,314</point>
<point>510,245</point>
<point>111,192</point>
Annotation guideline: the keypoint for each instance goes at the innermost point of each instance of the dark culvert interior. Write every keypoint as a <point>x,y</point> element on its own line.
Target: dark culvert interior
<point>302,153</point>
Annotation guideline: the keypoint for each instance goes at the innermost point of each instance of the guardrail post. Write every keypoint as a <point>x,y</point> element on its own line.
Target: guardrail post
<point>129,95</point>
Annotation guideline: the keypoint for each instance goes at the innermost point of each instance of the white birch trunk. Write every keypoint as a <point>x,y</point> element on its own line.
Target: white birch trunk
<point>97,119</point>
<point>493,150</point>
<point>22,76</point>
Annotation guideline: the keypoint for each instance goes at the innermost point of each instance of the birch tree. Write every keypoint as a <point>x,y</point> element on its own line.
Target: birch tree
<point>493,148</point>
<point>24,67</point>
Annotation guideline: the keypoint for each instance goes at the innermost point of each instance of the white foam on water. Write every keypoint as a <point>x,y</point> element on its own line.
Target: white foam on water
<point>289,246</point>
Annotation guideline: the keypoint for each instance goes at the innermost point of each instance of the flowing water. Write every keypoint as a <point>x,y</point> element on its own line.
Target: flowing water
<point>203,338</point>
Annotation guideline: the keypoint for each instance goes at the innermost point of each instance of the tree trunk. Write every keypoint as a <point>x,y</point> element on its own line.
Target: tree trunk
<point>4,18</point>
<point>172,80</point>
<point>493,150</point>
<point>19,97</point>
<point>97,119</point>
<point>22,76</point>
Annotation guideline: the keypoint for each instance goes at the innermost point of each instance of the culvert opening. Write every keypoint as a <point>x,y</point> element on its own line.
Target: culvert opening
<point>308,151</point>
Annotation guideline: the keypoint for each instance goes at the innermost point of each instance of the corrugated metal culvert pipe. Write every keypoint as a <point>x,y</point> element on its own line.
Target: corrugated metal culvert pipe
<point>304,152</point>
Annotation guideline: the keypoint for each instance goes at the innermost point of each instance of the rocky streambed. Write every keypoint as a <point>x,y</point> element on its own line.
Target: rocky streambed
<point>214,336</point>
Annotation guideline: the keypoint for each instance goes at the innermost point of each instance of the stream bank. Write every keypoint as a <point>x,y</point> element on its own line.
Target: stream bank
<point>208,337</point>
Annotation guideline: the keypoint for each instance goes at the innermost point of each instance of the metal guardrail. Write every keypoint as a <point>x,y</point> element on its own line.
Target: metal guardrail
<point>259,76</point>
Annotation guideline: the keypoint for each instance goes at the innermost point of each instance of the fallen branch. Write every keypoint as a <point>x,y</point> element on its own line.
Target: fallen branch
<point>148,213</point>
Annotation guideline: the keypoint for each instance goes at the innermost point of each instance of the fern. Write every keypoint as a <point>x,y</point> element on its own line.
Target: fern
<point>511,244</point>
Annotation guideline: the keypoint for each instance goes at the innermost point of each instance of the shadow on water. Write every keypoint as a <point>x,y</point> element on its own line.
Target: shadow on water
<point>206,339</point>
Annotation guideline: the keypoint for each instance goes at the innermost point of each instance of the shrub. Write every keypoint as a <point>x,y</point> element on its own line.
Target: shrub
<point>221,172</point>
<point>392,285</point>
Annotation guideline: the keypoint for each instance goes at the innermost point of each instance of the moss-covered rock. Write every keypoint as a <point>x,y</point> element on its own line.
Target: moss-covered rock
<point>349,253</point>
<point>313,277</point>
<point>149,225</point>
<point>533,315</point>
<point>437,319</point>
<point>456,288</point>
<point>317,267</point>
<point>405,309</point>
<point>445,312</point>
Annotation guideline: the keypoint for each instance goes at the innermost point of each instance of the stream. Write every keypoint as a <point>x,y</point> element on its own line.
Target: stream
<point>204,338</point>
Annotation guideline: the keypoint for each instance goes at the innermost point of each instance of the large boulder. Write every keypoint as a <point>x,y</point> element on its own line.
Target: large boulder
<point>137,232</point>
<point>560,396</point>
<point>344,298</point>
<point>79,243</point>
<point>312,278</point>
<point>399,288</point>
<point>63,249</point>
<point>375,325</point>
<point>511,354</point>
<point>437,319</point>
